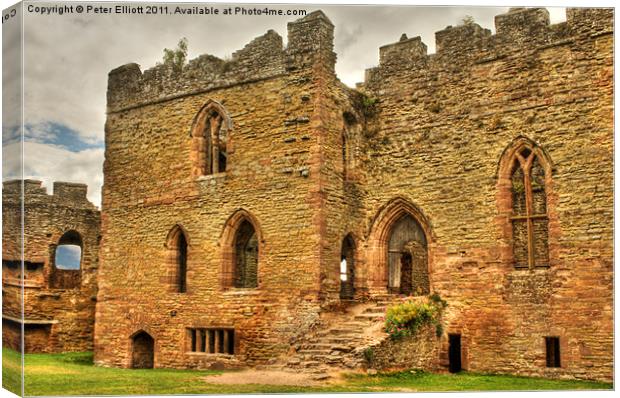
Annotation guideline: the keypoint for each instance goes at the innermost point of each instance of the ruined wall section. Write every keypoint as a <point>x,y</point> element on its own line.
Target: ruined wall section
<point>343,186</point>
<point>271,173</point>
<point>261,59</point>
<point>57,319</point>
<point>444,122</point>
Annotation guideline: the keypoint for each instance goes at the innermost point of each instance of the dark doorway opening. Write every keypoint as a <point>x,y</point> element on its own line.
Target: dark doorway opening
<point>347,269</point>
<point>406,269</point>
<point>407,258</point>
<point>553,351</point>
<point>143,351</point>
<point>454,353</point>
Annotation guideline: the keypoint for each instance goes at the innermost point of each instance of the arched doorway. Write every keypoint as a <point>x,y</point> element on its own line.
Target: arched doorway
<point>407,258</point>
<point>143,351</point>
<point>347,269</point>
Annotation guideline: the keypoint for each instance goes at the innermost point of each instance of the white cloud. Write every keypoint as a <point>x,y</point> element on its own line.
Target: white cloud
<point>50,163</point>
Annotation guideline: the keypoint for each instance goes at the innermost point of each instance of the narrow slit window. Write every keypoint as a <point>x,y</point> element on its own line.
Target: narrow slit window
<point>203,338</point>
<point>211,340</point>
<point>220,345</point>
<point>177,255</point>
<point>193,339</point>
<point>231,342</point>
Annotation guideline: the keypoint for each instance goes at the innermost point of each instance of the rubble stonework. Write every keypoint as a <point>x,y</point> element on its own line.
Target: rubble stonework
<point>306,162</point>
<point>59,305</point>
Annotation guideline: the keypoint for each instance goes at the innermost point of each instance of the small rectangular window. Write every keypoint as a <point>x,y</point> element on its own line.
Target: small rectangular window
<point>203,346</point>
<point>212,341</point>
<point>193,339</point>
<point>231,341</point>
<point>220,340</point>
<point>553,351</point>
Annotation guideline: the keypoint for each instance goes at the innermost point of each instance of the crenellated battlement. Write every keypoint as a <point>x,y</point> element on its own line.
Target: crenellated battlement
<point>310,40</point>
<point>69,190</point>
<point>31,187</point>
<point>73,194</point>
<point>516,30</point>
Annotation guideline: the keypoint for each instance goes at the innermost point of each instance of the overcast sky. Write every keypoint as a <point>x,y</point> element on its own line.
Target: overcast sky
<point>68,57</point>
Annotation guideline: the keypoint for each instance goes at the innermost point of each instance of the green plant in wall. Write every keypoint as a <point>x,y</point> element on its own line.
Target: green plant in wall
<point>369,106</point>
<point>369,355</point>
<point>407,318</point>
<point>177,57</point>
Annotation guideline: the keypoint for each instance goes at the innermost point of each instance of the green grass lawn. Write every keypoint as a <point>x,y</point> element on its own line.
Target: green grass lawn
<point>74,374</point>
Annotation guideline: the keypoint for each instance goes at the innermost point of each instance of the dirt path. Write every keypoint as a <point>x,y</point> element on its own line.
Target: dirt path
<point>272,377</point>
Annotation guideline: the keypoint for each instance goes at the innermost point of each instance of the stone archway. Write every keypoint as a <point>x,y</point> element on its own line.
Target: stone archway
<point>142,351</point>
<point>399,250</point>
<point>407,259</point>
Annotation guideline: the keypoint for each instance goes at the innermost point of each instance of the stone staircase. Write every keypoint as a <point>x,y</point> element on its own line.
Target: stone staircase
<point>338,342</point>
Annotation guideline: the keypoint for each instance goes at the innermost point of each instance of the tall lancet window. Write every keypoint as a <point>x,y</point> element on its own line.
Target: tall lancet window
<point>529,210</point>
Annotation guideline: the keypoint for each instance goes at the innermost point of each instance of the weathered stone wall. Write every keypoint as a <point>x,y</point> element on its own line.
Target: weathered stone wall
<point>56,319</point>
<point>270,179</point>
<point>420,351</point>
<point>443,122</point>
<point>11,334</point>
<point>424,136</point>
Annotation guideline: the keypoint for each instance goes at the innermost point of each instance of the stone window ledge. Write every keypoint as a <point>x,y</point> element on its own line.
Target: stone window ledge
<point>537,267</point>
<point>240,291</point>
<point>212,177</point>
<point>27,283</point>
<point>210,355</point>
<point>27,321</point>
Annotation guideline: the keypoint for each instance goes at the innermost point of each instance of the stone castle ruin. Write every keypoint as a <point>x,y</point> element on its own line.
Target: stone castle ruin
<point>59,302</point>
<point>257,211</point>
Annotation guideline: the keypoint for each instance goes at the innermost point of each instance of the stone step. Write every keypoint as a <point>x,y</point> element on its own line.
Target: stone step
<point>339,342</point>
<point>332,332</point>
<point>341,339</point>
<point>338,332</point>
<point>311,351</point>
<point>326,347</point>
<point>328,359</point>
<point>376,309</point>
<point>357,325</point>
<point>316,345</point>
<point>294,361</point>
<point>375,316</point>
<point>310,364</point>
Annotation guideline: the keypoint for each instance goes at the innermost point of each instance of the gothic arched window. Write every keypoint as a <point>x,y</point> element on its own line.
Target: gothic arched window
<point>241,243</point>
<point>210,133</point>
<point>529,216</point>
<point>246,256</point>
